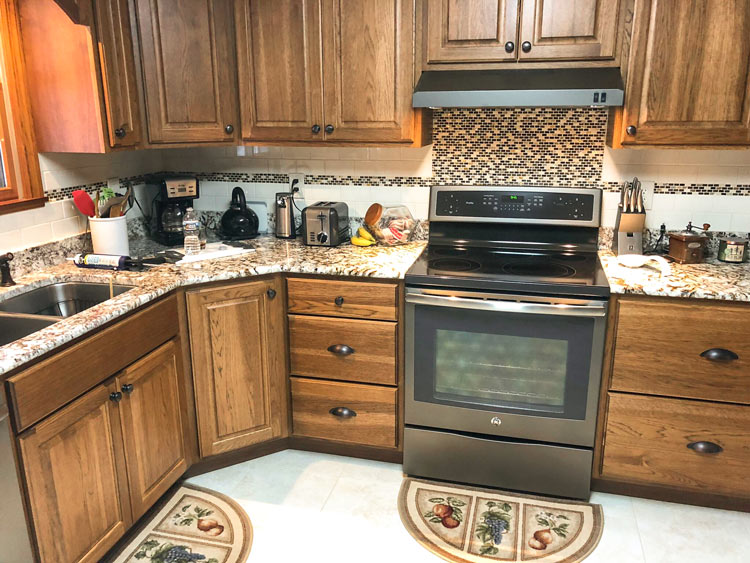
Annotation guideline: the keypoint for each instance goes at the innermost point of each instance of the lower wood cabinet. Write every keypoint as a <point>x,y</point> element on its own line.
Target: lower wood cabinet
<point>239,369</point>
<point>99,463</point>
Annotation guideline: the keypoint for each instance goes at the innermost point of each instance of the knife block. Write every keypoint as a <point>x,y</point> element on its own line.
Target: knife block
<point>628,237</point>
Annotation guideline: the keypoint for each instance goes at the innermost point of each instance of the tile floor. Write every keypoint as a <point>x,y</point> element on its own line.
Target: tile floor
<point>319,508</point>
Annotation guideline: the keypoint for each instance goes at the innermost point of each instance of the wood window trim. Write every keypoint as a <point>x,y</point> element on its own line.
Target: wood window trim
<point>16,125</point>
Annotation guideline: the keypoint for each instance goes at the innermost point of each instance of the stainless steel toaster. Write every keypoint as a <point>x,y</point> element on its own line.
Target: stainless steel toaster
<point>326,223</point>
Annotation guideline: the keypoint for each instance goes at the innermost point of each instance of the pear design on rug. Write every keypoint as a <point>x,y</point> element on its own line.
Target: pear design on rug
<point>469,524</point>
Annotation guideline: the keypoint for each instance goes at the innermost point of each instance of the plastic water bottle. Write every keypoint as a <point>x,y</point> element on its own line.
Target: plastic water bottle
<point>191,226</point>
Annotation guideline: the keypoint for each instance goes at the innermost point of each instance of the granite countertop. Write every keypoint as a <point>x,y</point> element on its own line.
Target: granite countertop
<point>271,255</point>
<point>710,280</point>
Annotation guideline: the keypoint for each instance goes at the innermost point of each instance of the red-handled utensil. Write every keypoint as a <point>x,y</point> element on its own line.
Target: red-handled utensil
<point>83,202</point>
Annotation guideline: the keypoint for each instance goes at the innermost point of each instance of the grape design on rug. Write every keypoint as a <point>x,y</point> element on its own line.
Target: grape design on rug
<point>161,549</point>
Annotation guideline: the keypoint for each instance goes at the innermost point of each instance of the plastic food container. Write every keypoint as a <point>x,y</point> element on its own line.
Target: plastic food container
<point>390,224</point>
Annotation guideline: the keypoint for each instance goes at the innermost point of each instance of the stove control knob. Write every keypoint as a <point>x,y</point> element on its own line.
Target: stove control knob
<point>322,237</point>
<point>496,421</point>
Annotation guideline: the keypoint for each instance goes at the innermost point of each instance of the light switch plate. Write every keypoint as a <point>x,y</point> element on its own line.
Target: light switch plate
<point>113,184</point>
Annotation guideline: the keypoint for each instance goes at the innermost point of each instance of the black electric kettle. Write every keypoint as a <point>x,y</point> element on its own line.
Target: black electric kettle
<point>239,221</point>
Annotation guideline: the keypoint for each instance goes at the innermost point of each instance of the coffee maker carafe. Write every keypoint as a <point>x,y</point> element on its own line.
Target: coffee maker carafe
<point>176,194</point>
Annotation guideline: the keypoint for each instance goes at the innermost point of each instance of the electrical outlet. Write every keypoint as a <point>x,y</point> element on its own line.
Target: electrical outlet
<point>648,195</point>
<point>299,185</point>
<point>113,184</point>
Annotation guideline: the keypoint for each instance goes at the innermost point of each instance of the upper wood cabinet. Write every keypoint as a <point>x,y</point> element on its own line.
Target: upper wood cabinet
<point>688,79</point>
<point>239,369</point>
<point>187,52</point>
<point>568,29</point>
<point>77,484</point>
<point>82,78</point>
<point>486,33</point>
<point>471,30</point>
<point>327,70</point>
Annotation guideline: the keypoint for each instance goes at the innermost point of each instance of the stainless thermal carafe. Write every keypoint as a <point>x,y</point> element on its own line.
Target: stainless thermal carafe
<point>285,227</point>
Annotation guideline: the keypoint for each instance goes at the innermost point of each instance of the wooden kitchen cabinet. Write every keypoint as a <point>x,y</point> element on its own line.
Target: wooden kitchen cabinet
<point>152,425</point>
<point>688,77</point>
<point>238,346</point>
<point>74,465</point>
<point>491,33</point>
<point>82,77</point>
<point>330,70</point>
<point>187,53</point>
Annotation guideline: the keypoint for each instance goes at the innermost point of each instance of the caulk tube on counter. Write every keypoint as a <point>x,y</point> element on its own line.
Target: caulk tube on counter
<point>103,261</point>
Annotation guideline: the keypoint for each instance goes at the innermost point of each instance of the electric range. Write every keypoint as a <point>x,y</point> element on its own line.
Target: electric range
<point>505,322</point>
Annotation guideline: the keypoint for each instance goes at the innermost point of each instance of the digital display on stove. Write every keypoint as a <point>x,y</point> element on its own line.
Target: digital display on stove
<point>513,199</point>
<point>479,203</point>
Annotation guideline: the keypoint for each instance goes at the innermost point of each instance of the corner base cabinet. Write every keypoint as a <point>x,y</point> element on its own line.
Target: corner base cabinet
<point>238,344</point>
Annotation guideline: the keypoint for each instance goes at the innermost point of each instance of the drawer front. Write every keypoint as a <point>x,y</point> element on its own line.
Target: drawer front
<point>647,441</point>
<point>375,408</point>
<point>346,349</point>
<point>333,298</point>
<point>658,350</point>
<point>50,384</point>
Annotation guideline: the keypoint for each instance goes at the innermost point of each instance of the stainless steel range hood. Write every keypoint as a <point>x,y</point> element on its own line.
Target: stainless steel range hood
<point>563,87</point>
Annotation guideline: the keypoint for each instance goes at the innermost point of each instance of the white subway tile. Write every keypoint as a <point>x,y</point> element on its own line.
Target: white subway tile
<point>740,222</point>
<point>295,153</point>
<point>66,228</point>
<point>675,174</point>
<point>69,208</point>
<point>281,166</point>
<point>422,153</point>
<point>10,241</point>
<point>324,153</point>
<point>743,176</point>
<point>340,167</point>
<point>314,167</point>
<point>36,234</point>
<point>717,175</point>
<point>352,153</point>
<point>384,153</point>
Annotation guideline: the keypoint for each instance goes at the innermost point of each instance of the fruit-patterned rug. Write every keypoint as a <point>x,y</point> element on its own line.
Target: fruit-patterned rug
<point>467,524</point>
<point>195,525</point>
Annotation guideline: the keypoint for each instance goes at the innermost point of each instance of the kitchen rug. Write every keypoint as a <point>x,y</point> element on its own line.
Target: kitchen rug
<point>467,524</point>
<point>196,524</point>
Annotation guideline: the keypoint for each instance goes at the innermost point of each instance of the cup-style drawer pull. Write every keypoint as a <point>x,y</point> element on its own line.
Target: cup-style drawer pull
<point>705,447</point>
<point>719,355</point>
<point>341,350</point>
<point>343,412</point>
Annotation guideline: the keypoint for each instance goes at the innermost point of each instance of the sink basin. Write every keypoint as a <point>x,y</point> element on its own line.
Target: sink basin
<point>13,327</point>
<point>60,299</point>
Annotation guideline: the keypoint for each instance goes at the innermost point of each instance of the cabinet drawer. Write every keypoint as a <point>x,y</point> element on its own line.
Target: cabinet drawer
<point>647,441</point>
<point>375,408</point>
<point>48,385</point>
<point>352,350</point>
<point>333,298</point>
<point>658,350</point>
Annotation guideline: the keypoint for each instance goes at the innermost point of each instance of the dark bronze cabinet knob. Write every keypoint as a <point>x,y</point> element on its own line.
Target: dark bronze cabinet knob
<point>329,129</point>
<point>127,388</point>
<point>526,46</point>
<point>341,349</point>
<point>509,47</point>
<point>719,355</point>
<point>271,293</point>
<point>316,129</point>
<point>229,129</point>
<point>115,396</point>
<point>705,447</point>
<point>343,412</point>
<point>339,301</point>
<point>631,130</point>
<point>120,132</point>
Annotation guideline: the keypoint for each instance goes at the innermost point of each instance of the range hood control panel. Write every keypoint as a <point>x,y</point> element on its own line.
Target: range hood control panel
<point>569,206</point>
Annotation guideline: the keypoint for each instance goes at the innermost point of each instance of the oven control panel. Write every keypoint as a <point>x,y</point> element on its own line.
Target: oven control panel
<point>521,204</point>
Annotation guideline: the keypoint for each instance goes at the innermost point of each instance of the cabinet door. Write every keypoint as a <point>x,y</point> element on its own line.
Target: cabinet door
<point>278,50</point>
<point>151,423</point>
<point>117,65</point>
<point>689,75</point>
<point>471,31</point>
<point>368,62</point>
<point>189,69</point>
<point>75,471</point>
<point>568,29</point>
<point>238,350</point>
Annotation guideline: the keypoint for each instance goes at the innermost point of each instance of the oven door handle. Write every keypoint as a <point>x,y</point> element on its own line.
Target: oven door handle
<point>497,305</point>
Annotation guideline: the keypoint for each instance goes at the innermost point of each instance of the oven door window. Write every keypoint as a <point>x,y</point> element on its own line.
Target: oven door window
<point>505,362</point>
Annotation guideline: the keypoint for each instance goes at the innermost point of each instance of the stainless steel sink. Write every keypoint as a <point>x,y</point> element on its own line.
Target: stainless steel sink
<point>13,327</point>
<point>61,299</point>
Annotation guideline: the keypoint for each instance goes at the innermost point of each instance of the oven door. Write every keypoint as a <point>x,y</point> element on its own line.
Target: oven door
<point>505,365</point>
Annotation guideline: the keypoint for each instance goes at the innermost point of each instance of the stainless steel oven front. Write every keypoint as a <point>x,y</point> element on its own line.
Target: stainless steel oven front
<point>508,366</point>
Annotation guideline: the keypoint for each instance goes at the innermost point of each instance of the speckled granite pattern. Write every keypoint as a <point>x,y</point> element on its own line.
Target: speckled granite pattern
<point>710,280</point>
<point>43,256</point>
<point>271,256</point>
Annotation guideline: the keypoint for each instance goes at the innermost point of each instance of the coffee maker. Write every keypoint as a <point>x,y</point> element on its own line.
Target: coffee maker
<point>176,194</point>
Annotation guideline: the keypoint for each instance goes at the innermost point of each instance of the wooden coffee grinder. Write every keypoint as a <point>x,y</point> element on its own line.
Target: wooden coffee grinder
<point>689,246</point>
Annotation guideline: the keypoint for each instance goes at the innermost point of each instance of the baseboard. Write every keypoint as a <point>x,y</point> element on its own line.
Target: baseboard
<point>390,455</point>
<point>220,461</point>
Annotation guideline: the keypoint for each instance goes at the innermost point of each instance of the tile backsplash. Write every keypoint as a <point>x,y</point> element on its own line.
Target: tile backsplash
<point>525,146</point>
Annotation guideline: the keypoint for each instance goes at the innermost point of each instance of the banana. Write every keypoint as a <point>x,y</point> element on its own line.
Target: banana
<point>359,241</point>
<point>365,234</point>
